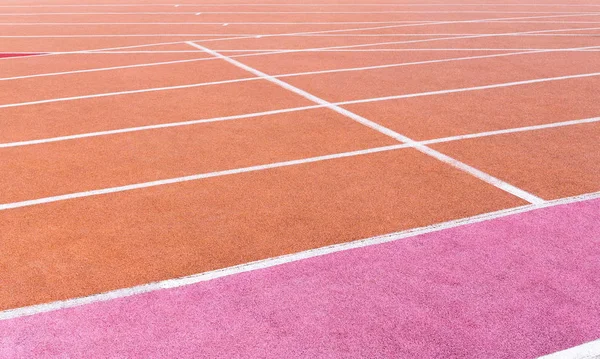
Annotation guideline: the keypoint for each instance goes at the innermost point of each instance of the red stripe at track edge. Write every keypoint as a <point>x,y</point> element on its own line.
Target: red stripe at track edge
<point>9,54</point>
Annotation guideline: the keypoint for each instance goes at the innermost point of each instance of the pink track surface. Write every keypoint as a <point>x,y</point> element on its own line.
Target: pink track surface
<point>514,287</point>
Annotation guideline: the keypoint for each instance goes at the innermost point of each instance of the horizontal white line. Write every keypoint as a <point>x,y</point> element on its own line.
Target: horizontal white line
<point>425,23</point>
<point>178,87</point>
<point>511,130</point>
<point>154,127</point>
<point>130,92</point>
<point>285,5</point>
<point>449,49</point>
<point>425,49</point>
<point>474,88</point>
<point>98,192</point>
<point>292,12</point>
<point>207,23</point>
<point>590,350</point>
<point>280,23</point>
<point>273,112</point>
<point>234,38</point>
<point>195,177</point>
<point>275,261</point>
<point>104,69</point>
<point>307,35</point>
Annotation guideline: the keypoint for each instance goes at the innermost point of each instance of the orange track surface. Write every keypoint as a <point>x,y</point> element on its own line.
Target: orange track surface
<point>84,246</point>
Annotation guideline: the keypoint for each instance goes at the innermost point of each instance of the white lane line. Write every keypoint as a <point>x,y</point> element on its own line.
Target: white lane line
<point>154,127</point>
<point>511,130</point>
<point>425,49</point>
<point>130,92</point>
<point>200,176</point>
<point>425,23</point>
<point>218,35</point>
<point>215,23</point>
<point>177,87</point>
<point>454,49</point>
<point>294,109</point>
<point>384,130</point>
<point>220,39</point>
<point>291,12</point>
<point>279,23</point>
<point>195,177</point>
<point>289,258</point>
<point>267,52</point>
<point>474,88</point>
<point>306,4</point>
<point>589,350</point>
<point>103,69</point>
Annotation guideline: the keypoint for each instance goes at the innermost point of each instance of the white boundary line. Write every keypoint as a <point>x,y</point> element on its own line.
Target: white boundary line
<point>589,350</point>
<point>105,68</point>
<point>228,38</point>
<point>279,23</point>
<point>217,35</point>
<point>285,5</point>
<point>174,180</point>
<point>425,23</point>
<point>425,49</point>
<point>204,12</point>
<point>273,112</point>
<point>221,82</point>
<point>275,261</point>
<point>210,23</point>
<point>195,177</point>
<point>512,130</point>
<point>384,130</point>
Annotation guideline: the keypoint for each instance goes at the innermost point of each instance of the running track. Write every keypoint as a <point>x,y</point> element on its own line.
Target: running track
<point>299,180</point>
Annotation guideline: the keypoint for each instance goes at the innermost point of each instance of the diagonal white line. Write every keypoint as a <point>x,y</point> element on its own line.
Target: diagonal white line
<point>294,109</point>
<point>384,130</point>
<point>589,350</point>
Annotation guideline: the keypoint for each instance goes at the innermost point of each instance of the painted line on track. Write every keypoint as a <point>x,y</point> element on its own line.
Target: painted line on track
<point>292,12</point>
<point>275,261</point>
<point>200,176</point>
<point>285,4</point>
<point>276,35</point>
<point>590,350</point>
<point>496,182</point>
<point>221,82</point>
<point>274,112</point>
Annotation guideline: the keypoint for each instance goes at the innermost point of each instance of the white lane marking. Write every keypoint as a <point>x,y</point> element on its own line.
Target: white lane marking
<point>169,88</point>
<point>153,127</point>
<point>289,258</point>
<point>217,35</point>
<point>195,177</point>
<point>221,39</point>
<point>102,69</point>
<point>306,4</point>
<point>265,113</point>
<point>217,23</point>
<point>382,129</point>
<point>130,92</point>
<point>291,12</point>
<point>273,35</point>
<point>589,350</point>
<point>325,48</point>
<point>454,49</point>
<point>103,191</point>
<point>511,130</point>
<point>474,88</point>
